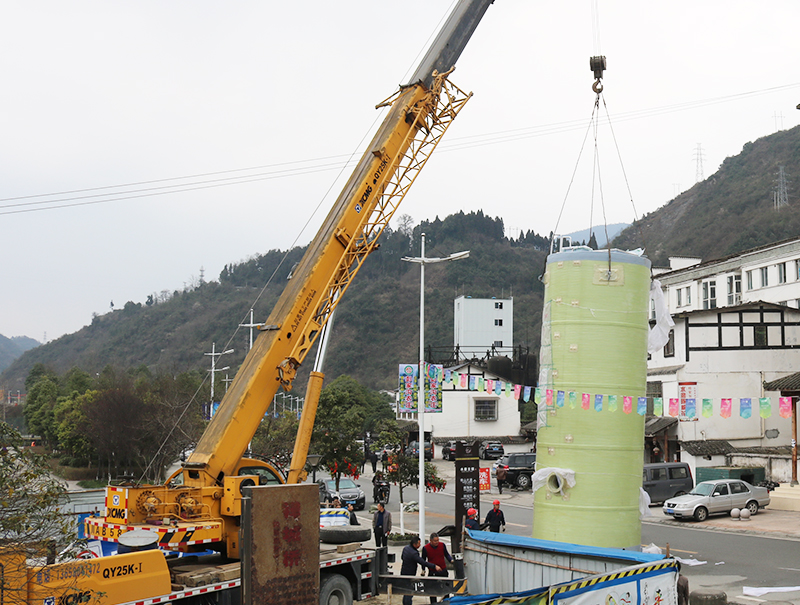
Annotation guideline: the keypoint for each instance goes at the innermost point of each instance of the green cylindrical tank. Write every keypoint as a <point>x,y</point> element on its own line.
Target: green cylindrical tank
<point>594,341</point>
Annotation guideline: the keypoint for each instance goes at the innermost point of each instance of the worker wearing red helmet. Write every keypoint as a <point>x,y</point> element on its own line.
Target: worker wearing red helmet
<point>472,519</point>
<point>495,517</point>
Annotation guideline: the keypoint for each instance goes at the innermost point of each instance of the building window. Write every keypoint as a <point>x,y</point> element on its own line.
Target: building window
<point>709,295</point>
<point>688,295</point>
<point>680,291</point>
<point>781,273</point>
<point>498,305</point>
<point>498,343</point>
<point>734,289</point>
<point>485,409</point>
<point>764,277</point>
<point>749,280</point>
<point>652,309</point>
<point>498,322</point>
<point>760,336</point>
<point>669,348</point>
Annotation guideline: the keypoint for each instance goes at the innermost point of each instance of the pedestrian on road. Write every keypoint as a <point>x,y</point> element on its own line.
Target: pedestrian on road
<point>373,458</point>
<point>683,587</point>
<point>501,477</point>
<point>384,460</point>
<point>472,519</point>
<point>353,519</point>
<point>495,518</point>
<point>435,551</point>
<point>381,525</point>
<point>410,558</point>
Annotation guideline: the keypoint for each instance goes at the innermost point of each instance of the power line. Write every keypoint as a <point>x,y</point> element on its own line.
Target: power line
<point>123,192</point>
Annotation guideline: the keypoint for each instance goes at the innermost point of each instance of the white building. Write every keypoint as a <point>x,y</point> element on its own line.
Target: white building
<point>482,323</point>
<point>737,325</point>
<point>480,326</point>
<point>472,413</point>
<point>770,273</point>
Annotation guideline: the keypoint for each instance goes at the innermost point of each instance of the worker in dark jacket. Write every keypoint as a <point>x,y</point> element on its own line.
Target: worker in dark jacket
<point>472,519</point>
<point>495,517</point>
<point>411,558</point>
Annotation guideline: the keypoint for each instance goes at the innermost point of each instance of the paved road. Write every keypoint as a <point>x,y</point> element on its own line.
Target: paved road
<point>765,552</point>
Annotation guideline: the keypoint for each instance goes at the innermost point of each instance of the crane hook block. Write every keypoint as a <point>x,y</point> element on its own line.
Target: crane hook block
<point>598,66</point>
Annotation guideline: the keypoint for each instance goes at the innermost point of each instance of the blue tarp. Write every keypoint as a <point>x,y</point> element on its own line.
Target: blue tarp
<point>633,556</point>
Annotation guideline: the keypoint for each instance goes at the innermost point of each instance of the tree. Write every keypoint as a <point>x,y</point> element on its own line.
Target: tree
<point>339,421</point>
<point>275,437</point>
<point>173,422</point>
<point>73,429</point>
<point>31,522</point>
<point>403,471</point>
<point>40,407</point>
<point>405,225</point>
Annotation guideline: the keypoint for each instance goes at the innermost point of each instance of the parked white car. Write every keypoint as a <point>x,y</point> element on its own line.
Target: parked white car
<point>714,497</point>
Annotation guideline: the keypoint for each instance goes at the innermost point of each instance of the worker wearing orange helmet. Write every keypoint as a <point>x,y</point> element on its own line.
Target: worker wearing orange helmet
<point>495,518</point>
<point>472,519</point>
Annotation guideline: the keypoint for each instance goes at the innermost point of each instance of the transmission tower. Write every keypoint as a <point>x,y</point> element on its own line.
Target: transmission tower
<point>780,195</point>
<point>698,158</point>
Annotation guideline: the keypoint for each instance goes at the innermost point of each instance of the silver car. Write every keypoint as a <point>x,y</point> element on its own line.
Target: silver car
<point>720,496</point>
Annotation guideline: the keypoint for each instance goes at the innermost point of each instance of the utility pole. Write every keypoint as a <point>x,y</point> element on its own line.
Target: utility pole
<point>227,381</point>
<point>778,116</point>
<point>214,355</point>
<point>251,325</point>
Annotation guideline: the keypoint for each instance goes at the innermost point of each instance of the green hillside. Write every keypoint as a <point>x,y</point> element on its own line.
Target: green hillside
<point>11,348</point>
<point>376,325</point>
<point>730,211</point>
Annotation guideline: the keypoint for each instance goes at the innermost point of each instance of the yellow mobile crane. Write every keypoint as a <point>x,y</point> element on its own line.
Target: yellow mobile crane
<point>200,506</point>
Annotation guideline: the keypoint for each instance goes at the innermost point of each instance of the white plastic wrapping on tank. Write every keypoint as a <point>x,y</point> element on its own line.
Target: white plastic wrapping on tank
<point>659,333</point>
<point>563,475</point>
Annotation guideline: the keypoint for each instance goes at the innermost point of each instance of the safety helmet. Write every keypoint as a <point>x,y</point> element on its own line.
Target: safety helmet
<point>471,512</point>
<point>496,502</point>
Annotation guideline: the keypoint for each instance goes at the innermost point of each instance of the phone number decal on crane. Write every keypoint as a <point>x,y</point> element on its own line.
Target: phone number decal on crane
<point>167,536</point>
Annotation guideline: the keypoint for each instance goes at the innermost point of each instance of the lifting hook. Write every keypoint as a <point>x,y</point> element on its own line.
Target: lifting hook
<point>598,66</point>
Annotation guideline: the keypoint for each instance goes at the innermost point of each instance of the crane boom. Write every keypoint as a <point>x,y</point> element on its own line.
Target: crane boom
<point>345,238</point>
<point>201,504</point>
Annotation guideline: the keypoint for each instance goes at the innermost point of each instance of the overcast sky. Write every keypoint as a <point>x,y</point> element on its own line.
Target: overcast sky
<point>249,110</point>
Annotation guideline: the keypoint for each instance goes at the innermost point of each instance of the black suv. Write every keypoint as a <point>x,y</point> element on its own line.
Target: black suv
<point>413,450</point>
<point>491,450</point>
<point>449,450</point>
<point>519,468</point>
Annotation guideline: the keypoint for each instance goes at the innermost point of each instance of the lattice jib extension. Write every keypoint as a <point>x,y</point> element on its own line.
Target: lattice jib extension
<point>447,101</point>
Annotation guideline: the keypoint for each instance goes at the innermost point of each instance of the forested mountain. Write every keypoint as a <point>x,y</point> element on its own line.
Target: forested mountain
<point>376,325</point>
<point>730,211</point>
<point>11,348</point>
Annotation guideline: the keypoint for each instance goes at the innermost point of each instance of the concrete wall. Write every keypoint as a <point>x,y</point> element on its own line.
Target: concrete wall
<point>778,468</point>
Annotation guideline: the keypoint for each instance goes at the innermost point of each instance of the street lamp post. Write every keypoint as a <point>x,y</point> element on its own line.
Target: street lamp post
<point>313,461</point>
<point>422,261</point>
